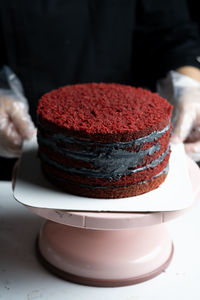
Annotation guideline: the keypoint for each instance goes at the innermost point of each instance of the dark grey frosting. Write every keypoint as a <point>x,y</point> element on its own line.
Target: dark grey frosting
<point>55,137</point>
<point>164,171</point>
<point>111,169</point>
<point>109,160</point>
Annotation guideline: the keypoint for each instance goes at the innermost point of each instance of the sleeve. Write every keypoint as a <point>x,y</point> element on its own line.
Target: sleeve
<point>3,59</point>
<point>165,36</point>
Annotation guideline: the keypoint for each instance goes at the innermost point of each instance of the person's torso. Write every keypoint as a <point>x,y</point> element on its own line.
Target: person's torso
<point>58,42</point>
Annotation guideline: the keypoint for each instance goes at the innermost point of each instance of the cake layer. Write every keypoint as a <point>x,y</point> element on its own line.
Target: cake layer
<point>68,162</point>
<point>111,192</point>
<point>103,112</point>
<point>135,176</point>
<point>73,143</point>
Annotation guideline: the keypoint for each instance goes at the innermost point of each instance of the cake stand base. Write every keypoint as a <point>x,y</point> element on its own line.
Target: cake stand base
<point>104,258</point>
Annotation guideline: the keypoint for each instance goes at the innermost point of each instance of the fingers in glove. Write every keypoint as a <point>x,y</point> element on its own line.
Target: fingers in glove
<point>184,123</point>
<point>22,120</point>
<point>10,140</point>
<point>193,150</point>
<point>194,135</point>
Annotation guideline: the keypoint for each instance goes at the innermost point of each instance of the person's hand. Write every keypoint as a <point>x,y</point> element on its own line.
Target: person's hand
<point>15,122</point>
<point>187,121</point>
<point>183,93</point>
<point>15,126</point>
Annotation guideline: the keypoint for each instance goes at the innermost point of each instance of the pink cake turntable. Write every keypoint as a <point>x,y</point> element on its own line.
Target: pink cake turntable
<point>106,248</point>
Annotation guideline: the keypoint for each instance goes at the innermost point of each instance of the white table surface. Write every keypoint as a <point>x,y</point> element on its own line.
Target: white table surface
<point>22,276</point>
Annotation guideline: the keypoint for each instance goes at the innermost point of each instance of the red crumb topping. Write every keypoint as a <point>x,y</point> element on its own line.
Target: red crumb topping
<point>103,108</point>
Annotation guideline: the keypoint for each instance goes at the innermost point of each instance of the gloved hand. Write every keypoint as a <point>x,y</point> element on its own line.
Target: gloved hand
<point>184,93</point>
<point>15,122</point>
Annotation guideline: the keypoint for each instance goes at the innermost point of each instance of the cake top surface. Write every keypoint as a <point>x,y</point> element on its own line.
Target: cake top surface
<point>104,108</point>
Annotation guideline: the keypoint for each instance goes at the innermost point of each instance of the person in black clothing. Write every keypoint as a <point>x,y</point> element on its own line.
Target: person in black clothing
<point>193,8</point>
<point>48,44</point>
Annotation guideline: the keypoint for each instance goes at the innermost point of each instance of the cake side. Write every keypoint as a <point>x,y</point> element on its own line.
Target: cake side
<point>108,192</point>
<point>73,153</point>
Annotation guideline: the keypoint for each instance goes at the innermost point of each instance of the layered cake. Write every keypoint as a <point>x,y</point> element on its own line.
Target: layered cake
<point>104,140</point>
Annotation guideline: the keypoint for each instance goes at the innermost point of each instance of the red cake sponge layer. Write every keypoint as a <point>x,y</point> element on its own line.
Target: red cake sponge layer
<point>108,192</point>
<point>108,112</point>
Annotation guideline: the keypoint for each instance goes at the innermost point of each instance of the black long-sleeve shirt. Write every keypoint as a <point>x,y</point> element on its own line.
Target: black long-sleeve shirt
<point>56,42</point>
<point>50,43</point>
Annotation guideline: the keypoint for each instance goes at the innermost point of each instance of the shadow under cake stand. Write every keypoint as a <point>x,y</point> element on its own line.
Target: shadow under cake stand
<point>108,249</point>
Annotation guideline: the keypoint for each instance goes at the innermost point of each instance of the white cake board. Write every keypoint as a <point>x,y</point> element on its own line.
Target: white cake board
<point>34,190</point>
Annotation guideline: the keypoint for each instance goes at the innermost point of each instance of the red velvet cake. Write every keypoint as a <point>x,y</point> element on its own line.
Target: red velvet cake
<point>104,140</point>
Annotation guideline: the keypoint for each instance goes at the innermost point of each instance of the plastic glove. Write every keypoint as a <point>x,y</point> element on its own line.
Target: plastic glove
<point>15,122</point>
<point>184,93</point>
